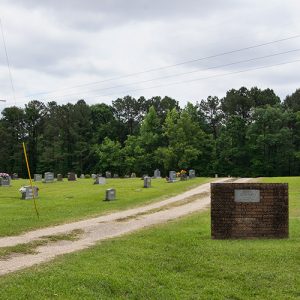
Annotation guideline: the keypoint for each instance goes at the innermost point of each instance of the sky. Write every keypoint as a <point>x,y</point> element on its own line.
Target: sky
<point>100,50</point>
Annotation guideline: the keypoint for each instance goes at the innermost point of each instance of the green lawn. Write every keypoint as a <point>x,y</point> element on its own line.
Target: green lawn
<point>65,201</point>
<point>173,261</point>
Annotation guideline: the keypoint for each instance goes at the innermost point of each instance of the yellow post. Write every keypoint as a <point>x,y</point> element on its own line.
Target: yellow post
<point>28,170</point>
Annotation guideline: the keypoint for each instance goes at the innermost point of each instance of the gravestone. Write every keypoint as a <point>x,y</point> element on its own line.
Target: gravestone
<point>100,180</point>
<point>72,176</point>
<point>26,192</point>
<point>216,176</point>
<point>147,182</point>
<point>249,210</point>
<point>48,177</point>
<point>116,175</point>
<point>108,174</point>
<point>15,176</point>
<point>172,176</point>
<point>5,181</point>
<point>110,194</point>
<point>133,175</point>
<point>59,177</point>
<point>94,176</point>
<point>157,174</point>
<point>38,177</point>
<point>82,176</point>
<point>192,174</point>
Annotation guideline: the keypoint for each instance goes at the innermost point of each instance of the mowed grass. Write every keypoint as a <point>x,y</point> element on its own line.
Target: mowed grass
<point>177,260</point>
<point>67,201</point>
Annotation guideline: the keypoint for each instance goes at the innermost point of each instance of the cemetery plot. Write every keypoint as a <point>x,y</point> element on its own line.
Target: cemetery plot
<point>65,201</point>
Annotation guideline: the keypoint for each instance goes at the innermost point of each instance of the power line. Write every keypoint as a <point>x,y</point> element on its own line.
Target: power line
<point>170,66</point>
<point>186,73</point>
<point>208,77</point>
<point>7,62</point>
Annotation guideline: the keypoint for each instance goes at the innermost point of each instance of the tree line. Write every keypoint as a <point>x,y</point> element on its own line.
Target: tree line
<point>249,132</point>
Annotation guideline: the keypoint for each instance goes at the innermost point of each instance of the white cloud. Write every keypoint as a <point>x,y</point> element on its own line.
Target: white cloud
<point>57,44</point>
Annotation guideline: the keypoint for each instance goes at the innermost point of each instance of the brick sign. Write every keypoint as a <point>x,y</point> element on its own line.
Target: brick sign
<point>249,210</point>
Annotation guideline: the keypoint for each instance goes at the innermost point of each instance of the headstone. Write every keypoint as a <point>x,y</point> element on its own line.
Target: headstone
<point>249,210</point>
<point>216,176</point>
<point>133,175</point>
<point>192,174</point>
<point>5,181</point>
<point>26,192</point>
<point>15,176</point>
<point>82,176</point>
<point>116,175</point>
<point>172,176</point>
<point>108,174</point>
<point>110,194</point>
<point>147,182</point>
<point>38,177</point>
<point>59,177</point>
<point>48,177</point>
<point>100,180</point>
<point>126,176</point>
<point>86,176</point>
<point>71,176</point>
<point>156,174</point>
<point>94,176</point>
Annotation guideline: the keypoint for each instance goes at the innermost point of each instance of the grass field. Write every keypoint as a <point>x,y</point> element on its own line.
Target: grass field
<point>67,201</point>
<point>173,261</point>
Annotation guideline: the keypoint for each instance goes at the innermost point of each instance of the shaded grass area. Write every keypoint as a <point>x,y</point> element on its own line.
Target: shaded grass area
<point>65,201</point>
<point>173,261</point>
<point>30,248</point>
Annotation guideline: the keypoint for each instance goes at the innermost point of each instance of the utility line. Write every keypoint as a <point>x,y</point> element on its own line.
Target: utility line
<point>208,77</point>
<point>184,73</point>
<point>7,62</point>
<point>170,66</point>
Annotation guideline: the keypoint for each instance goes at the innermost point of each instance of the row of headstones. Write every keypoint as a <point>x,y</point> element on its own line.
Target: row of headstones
<point>173,176</point>
<point>49,177</point>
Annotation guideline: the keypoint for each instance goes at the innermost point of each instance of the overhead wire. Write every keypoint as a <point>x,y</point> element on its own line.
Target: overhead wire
<point>7,62</point>
<point>168,66</point>
<point>208,77</point>
<point>183,73</point>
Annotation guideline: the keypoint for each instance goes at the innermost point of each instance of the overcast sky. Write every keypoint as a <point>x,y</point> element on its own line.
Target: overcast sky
<point>73,49</point>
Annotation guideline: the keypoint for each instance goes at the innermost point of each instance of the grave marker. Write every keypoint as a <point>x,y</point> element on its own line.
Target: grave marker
<point>172,176</point>
<point>26,192</point>
<point>110,195</point>
<point>157,174</point>
<point>5,181</point>
<point>100,180</point>
<point>249,210</point>
<point>72,176</point>
<point>48,177</point>
<point>147,182</point>
<point>38,177</point>
<point>192,174</point>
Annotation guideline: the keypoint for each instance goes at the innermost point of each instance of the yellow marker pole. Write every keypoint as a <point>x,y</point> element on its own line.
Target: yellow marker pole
<point>28,169</point>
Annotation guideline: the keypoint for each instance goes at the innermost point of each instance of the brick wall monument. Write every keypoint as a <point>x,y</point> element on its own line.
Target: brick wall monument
<point>249,210</point>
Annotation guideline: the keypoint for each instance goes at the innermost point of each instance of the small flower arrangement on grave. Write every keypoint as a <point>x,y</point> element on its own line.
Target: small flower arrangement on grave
<point>4,175</point>
<point>183,175</point>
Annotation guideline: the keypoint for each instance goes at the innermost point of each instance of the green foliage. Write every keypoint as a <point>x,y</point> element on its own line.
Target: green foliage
<point>246,133</point>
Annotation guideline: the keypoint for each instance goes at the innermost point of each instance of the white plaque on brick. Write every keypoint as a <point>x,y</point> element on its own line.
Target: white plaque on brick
<point>246,195</point>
